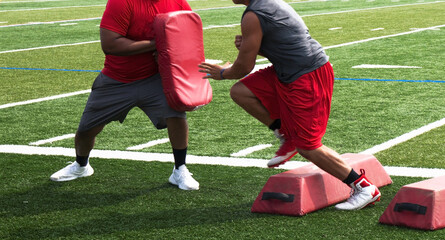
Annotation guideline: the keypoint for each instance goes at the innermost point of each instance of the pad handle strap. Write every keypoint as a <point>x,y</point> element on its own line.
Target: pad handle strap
<point>278,195</point>
<point>419,209</point>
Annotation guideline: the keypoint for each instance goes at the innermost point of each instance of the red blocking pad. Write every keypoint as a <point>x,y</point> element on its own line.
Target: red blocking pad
<point>179,43</point>
<point>308,188</point>
<point>418,205</point>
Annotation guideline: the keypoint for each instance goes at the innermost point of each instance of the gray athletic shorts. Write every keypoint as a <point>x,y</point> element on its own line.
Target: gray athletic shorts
<point>111,100</point>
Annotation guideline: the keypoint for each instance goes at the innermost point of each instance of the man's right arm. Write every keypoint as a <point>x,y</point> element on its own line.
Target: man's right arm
<point>248,46</point>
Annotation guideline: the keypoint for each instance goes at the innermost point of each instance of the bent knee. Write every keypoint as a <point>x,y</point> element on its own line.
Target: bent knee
<point>89,133</point>
<point>238,91</point>
<point>235,91</point>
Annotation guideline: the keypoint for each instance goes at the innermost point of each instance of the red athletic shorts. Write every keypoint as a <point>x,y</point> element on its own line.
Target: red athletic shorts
<point>303,105</point>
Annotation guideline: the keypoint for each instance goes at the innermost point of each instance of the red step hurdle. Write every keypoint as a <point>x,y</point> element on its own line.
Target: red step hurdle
<point>308,188</point>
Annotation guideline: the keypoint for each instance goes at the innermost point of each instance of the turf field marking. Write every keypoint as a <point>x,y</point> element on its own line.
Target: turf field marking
<point>250,150</point>
<point>390,80</point>
<point>51,22</point>
<point>261,60</point>
<point>382,66</point>
<point>149,144</point>
<point>44,99</point>
<point>192,159</point>
<point>45,47</point>
<point>49,69</point>
<point>51,140</point>
<point>405,137</point>
<point>67,24</point>
<point>32,1</point>
<point>221,26</point>
<point>213,61</point>
<point>383,37</point>
<point>372,8</point>
<point>49,8</point>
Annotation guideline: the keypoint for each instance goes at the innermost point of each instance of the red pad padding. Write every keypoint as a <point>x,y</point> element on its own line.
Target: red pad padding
<point>179,43</point>
<point>418,205</point>
<point>308,188</point>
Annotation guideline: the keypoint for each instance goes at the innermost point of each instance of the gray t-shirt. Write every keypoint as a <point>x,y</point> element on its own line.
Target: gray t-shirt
<point>286,41</point>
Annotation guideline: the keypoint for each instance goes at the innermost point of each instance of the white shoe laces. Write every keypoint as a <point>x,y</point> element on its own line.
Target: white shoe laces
<point>184,174</point>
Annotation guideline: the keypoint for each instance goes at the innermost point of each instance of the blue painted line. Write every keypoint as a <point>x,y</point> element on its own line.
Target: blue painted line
<point>49,69</point>
<point>347,79</point>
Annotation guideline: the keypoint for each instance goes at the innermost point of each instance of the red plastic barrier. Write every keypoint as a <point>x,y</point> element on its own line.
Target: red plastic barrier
<point>179,43</point>
<point>418,205</point>
<point>308,188</point>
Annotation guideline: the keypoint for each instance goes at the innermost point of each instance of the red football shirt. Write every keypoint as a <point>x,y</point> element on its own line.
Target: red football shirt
<point>133,19</point>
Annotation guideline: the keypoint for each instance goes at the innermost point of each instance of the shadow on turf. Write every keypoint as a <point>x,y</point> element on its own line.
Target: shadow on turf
<point>50,197</point>
<point>95,217</point>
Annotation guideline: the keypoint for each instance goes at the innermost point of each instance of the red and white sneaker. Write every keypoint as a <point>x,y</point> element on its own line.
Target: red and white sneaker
<point>279,135</point>
<point>363,193</point>
<point>286,151</point>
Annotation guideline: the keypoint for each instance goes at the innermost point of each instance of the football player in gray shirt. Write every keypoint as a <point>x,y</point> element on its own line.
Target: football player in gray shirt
<point>293,95</point>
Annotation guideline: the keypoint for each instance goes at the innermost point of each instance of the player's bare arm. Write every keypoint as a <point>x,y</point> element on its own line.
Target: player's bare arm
<point>238,40</point>
<point>248,45</point>
<point>116,44</point>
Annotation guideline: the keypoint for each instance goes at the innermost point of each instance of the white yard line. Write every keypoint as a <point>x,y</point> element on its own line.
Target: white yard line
<point>373,8</point>
<point>149,144</point>
<point>192,159</point>
<point>32,1</point>
<point>44,99</point>
<point>383,37</point>
<point>414,172</point>
<point>250,150</point>
<point>51,140</point>
<point>52,22</point>
<point>221,26</point>
<point>45,47</point>
<point>405,137</point>
<point>67,24</point>
<point>382,66</point>
<point>48,8</point>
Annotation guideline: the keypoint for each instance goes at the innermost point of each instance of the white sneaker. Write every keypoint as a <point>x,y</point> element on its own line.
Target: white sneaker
<point>71,172</point>
<point>183,179</point>
<point>363,193</point>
